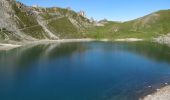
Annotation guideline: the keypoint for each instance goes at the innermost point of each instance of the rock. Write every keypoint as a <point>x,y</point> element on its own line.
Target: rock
<point>162,94</point>
<point>166,83</point>
<point>149,86</point>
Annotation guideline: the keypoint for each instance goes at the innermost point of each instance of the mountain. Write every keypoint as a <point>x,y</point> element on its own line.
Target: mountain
<point>24,23</point>
<point>152,25</point>
<point>28,23</point>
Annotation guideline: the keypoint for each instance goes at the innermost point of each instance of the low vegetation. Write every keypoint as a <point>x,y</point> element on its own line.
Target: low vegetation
<point>66,23</point>
<point>146,27</point>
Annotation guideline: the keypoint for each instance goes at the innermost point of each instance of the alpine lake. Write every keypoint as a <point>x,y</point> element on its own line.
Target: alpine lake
<point>84,71</point>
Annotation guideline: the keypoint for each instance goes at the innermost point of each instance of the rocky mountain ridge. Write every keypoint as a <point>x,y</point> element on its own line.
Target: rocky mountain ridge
<point>20,22</point>
<point>29,23</point>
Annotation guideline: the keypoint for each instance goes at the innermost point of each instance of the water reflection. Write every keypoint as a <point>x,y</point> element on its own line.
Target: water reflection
<point>24,56</point>
<point>83,71</point>
<point>150,50</point>
<point>22,60</point>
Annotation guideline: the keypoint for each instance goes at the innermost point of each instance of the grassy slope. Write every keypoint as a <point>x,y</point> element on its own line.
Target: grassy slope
<point>64,28</point>
<point>108,31</point>
<point>6,35</point>
<point>146,27</point>
<point>102,31</point>
<point>161,26</point>
<point>149,26</point>
<point>25,20</point>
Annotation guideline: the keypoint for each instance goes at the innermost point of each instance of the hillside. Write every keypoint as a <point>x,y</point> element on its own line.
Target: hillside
<point>26,23</point>
<point>23,23</point>
<point>152,25</point>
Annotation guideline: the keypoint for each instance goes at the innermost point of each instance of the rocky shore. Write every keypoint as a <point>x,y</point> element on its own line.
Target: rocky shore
<point>161,94</point>
<point>164,39</point>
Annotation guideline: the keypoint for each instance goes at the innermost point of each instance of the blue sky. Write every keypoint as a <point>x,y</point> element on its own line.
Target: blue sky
<point>116,10</point>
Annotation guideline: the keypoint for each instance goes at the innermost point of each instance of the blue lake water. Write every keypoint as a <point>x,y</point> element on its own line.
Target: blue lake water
<point>83,71</point>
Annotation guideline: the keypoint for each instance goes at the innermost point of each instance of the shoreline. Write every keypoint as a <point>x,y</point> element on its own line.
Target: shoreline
<point>9,46</point>
<point>160,94</point>
<point>129,40</point>
<point>58,41</point>
<point>165,39</point>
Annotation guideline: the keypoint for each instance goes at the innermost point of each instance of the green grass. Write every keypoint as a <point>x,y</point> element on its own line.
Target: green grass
<point>61,27</point>
<point>138,28</point>
<point>101,31</point>
<point>46,16</point>
<point>5,34</point>
<point>36,32</point>
<point>25,20</point>
<point>2,36</point>
<point>64,28</point>
<point>135,28</point>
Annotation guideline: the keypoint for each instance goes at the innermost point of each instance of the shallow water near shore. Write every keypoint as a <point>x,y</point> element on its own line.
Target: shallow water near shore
<point>84,71</point>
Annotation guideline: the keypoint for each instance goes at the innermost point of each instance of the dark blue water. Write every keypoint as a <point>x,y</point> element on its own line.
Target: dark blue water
<point>83,71</point>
